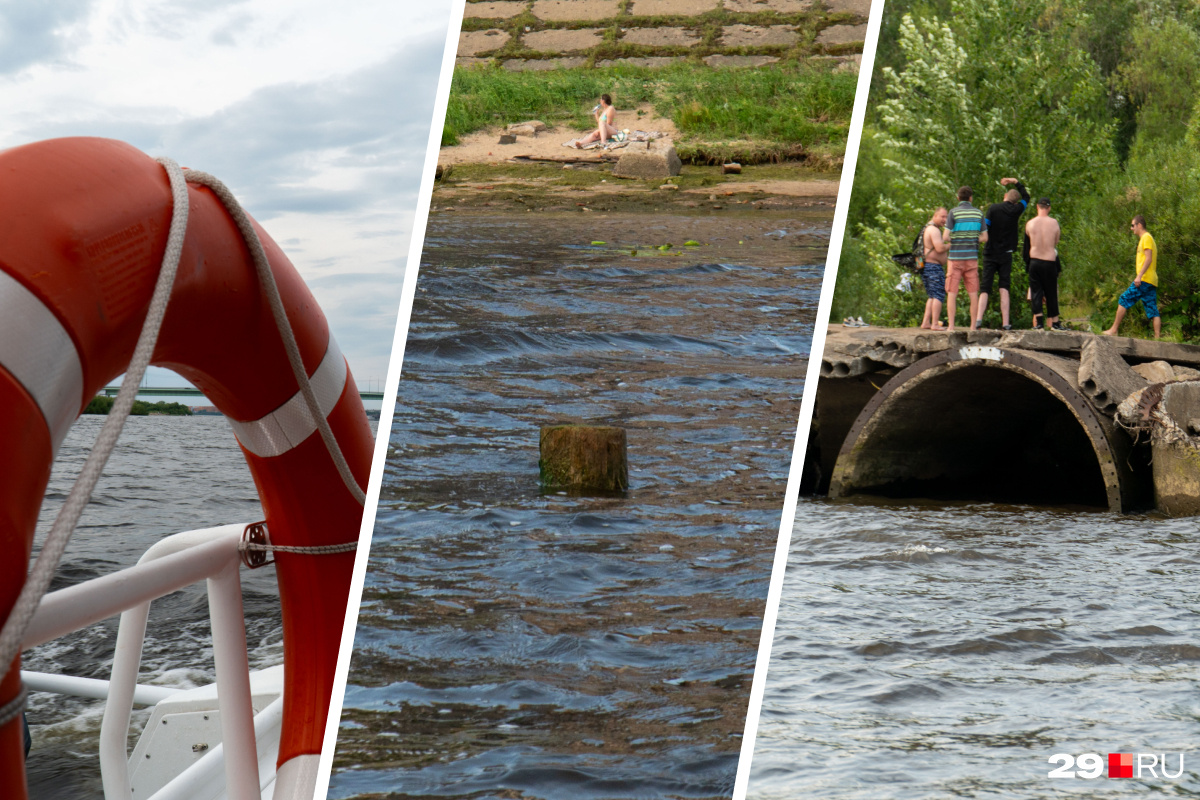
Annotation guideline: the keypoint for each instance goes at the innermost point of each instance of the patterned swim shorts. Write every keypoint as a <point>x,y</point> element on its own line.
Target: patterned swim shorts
<point>1147,293</point>
<point>934,277</point>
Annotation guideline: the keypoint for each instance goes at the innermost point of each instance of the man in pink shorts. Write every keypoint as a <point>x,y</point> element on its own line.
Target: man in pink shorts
<point>966,229</point>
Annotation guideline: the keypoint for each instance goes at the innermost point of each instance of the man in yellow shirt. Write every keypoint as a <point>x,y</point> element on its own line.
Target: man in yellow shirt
<point>1145,283</point>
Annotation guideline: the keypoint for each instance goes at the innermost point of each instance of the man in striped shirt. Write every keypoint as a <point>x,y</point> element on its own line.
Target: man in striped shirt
<point>967,229</point>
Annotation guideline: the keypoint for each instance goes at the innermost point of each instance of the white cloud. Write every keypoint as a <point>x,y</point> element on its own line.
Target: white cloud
<point>32,33</point>
<point>316,114</point>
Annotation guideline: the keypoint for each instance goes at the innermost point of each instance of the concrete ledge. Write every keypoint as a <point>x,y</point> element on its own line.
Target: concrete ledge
<point>856,351</point>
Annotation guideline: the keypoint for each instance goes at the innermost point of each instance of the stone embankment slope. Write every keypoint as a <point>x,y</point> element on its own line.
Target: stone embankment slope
<point>551,34</point>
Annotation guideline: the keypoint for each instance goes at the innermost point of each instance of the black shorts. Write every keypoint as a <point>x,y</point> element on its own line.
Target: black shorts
<point>1043,284</point>
<point>992,265</point>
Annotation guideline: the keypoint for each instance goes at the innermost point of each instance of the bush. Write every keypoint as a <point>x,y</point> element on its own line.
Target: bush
<point>960,110</point>
<point>141,408</point>
<point>101,404</point>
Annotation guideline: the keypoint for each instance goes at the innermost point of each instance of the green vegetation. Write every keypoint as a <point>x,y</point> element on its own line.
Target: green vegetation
<point>141,408</point>
<point>102,404</point>
<point>783,106</point>
<point>1092,107</point>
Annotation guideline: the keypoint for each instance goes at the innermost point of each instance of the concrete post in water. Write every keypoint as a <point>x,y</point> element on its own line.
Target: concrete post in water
<point>586,458</point>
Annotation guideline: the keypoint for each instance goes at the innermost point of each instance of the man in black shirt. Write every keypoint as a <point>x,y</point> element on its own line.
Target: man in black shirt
<point>1003,219</point>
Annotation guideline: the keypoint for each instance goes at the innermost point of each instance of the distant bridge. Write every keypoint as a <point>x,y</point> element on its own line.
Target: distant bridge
<point>1020,416</point>
<point>192,391</point>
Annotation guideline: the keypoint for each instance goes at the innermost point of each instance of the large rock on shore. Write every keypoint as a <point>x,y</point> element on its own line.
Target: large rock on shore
<point>649,161</point>
<point>1155,371</point>
<point>528,128</point>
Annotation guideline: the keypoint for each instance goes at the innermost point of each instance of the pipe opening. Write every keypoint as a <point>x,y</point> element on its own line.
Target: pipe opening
<point>978,433</point>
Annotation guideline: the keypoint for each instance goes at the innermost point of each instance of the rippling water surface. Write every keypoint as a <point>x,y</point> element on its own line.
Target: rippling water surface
<point>167,474</point>
<point>512,644</point>
<point>931,652</point>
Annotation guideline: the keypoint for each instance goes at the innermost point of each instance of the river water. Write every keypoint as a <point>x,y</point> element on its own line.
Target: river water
<point>167,474</point>
<point>512,644</point>
<point>933,651</point>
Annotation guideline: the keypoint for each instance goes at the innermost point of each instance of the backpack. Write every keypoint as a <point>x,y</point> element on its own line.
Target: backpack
<point>914,260</point>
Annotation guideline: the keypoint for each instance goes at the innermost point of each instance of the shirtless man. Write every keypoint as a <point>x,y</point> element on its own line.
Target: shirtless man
<point>1044,233</point>
<point>606,117</point>
<point>933,271</point>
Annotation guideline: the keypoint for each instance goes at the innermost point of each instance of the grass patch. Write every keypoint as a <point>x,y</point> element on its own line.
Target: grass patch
<point>741,152</point>
<point>824,158</point>
<point>787,104</point>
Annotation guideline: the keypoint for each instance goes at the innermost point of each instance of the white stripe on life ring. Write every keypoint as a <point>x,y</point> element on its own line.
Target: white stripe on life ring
<point>297,777</point>
<point>37,350</point>
<point>291,423</point>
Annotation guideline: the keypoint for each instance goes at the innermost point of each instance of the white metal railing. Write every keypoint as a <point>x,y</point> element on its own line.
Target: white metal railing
<point>91,688</point>
<point>168,566</point>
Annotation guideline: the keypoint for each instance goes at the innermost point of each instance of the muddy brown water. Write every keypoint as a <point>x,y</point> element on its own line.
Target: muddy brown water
<point>516,644</point>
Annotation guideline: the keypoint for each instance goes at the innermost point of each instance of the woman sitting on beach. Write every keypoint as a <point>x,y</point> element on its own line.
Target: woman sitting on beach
<point>605,116</point>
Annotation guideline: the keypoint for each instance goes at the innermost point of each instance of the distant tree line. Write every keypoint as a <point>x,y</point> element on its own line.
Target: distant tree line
<point>1092,105</point>
<point>102,404</point>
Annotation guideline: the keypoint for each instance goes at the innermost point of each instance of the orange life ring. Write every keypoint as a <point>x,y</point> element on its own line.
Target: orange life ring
<point>83,228</point>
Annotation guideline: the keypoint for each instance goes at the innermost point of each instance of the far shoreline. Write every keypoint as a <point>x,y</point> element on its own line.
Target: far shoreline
<point>587,187</point>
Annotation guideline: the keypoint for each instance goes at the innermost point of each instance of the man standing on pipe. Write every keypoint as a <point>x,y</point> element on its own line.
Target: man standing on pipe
<point>1145,282</point>
<point>1043,234</point>
<point>966,226</point>
<point>1002,219</point>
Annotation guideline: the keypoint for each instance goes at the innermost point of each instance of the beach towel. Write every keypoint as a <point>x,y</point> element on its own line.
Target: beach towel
<point>644,136</point>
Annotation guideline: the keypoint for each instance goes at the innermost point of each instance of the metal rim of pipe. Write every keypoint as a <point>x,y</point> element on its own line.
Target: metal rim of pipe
<point>841,482</point>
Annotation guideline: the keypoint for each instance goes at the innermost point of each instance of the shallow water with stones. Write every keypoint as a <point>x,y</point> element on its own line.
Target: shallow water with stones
<point>948,650</point>
<point>519,644</point>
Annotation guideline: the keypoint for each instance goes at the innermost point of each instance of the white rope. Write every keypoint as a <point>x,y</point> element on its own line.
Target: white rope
<point>309,550</point>
<point>68,516</point>
<point>267,279</point>
<point>13,708</point>
<point>256,543</point>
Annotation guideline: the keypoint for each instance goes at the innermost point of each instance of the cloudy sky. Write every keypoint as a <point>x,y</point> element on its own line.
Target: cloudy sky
<point>316,114</point>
